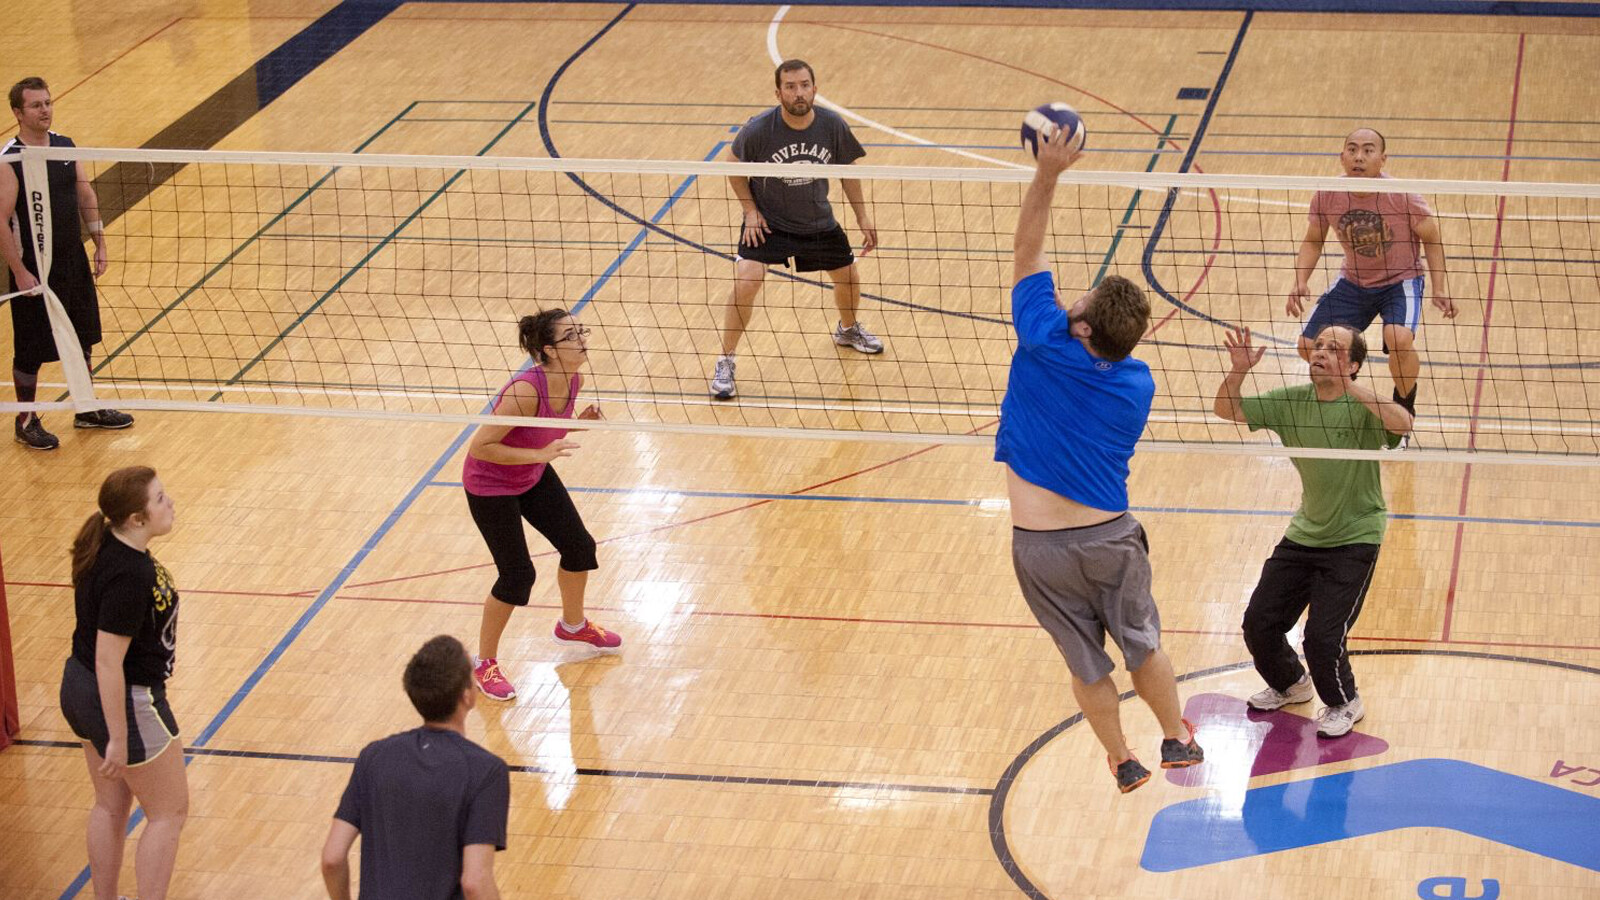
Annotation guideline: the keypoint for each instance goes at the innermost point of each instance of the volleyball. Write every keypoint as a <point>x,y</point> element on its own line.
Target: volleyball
<point>1044,120</point>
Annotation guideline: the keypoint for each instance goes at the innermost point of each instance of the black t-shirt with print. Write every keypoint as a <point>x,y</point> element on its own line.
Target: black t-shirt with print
<point>127,592</point>
<point>796,205</point>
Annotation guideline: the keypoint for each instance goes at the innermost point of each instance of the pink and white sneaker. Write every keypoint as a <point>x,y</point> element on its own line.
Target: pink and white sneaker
<point>591,634</point>
<point>489,679</point>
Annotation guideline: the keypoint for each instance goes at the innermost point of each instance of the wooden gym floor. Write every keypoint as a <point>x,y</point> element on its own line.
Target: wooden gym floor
<point>831,687</point>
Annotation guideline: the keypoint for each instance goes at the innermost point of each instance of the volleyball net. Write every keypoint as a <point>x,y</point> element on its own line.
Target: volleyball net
<point>390,286</point>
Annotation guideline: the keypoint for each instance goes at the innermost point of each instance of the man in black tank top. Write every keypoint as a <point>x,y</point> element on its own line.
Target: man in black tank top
<point>72,199</point>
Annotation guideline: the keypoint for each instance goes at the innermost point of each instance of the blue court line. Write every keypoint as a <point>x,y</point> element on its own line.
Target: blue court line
<point>933,501</point>
<point>372,541</point>
<point>639,238</point>
<point>411,496</point>
<point>383,529</point>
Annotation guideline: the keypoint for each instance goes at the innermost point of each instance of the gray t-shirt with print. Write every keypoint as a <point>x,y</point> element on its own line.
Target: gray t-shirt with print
<point>796,205</point>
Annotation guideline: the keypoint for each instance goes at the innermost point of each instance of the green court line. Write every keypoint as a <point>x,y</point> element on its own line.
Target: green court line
<point>226,261</point>
<point>284,334</point>
<point>1133,204</point>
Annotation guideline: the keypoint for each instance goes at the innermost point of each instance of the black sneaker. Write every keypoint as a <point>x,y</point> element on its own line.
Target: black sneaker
<point>1177,754</point>
<point>1129,774</point>
<point>102,418</point>
<point>33,436</point>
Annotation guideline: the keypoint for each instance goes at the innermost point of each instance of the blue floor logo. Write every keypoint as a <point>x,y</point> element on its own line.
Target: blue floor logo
<point>1425,793</point>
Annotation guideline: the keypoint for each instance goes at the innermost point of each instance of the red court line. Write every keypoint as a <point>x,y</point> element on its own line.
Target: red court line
<point>54,96</point>
<point>187,590</point>
<point>945,623</point>
<point>1483,346</point>
<point>798,617</point>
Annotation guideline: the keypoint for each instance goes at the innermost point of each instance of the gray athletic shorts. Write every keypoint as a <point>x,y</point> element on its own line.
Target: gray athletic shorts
<point>1085,583</point>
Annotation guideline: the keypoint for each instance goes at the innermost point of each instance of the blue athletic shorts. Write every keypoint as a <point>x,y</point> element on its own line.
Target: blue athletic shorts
<point>1346,304</point>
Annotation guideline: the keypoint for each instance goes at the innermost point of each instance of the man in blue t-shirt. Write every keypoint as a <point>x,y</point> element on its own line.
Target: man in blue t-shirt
<point>790,218</point>
<point>430,805</point>
<point>1075,406</point>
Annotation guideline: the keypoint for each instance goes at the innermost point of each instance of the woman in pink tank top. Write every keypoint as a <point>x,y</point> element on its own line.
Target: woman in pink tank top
<point>509,478</point>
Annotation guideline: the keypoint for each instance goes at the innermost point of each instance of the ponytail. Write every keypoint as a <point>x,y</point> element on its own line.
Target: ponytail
<point>86,546</point>
<point>123,493</point>
<point>538,331</point>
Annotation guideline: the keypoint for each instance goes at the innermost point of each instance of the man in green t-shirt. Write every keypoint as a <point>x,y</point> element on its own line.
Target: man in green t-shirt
<point>1326,559</point>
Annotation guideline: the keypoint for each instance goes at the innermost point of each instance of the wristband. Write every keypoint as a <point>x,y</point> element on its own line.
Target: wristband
<point>97,227</point>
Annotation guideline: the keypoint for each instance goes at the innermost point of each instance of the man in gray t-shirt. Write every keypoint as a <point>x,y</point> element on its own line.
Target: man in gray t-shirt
<point>790,218</point>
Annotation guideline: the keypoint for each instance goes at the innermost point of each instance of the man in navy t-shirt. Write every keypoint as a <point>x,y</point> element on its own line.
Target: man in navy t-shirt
<point>1075,406</point>
<point>429,804</point>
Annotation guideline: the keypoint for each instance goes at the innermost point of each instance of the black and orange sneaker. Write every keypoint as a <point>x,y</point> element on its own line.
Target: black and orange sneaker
<point>1179,754</point>
<point>1129,773</point>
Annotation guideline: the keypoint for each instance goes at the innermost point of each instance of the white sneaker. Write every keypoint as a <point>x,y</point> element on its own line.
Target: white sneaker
<point>1336,721</point>
<point>722,386</point>
<point>857,338</point>
<point>1299,692</point>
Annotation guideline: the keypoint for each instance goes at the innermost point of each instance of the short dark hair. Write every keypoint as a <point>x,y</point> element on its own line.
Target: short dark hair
<point>33,83</point>
<point>1118,314</point>
<point>1383,143</point>
<point>1358,346</point>
<point>792,65</point>
<point>436,676</point>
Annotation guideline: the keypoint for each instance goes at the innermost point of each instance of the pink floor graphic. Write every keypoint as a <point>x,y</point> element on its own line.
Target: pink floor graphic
<point>1234,736</point>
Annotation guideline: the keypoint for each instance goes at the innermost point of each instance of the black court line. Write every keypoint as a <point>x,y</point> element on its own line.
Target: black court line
<point>1002,791</point>
<point>590,771</point>
<point>545,101</point>
<point>1148,261</point>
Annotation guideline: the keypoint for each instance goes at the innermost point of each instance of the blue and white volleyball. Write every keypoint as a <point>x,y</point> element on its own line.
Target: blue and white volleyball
<point>1045,120</point>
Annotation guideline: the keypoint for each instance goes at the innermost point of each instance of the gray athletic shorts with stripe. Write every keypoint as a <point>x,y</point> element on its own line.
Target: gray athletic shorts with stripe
<point>151,727</point>
<point>1086,583</point>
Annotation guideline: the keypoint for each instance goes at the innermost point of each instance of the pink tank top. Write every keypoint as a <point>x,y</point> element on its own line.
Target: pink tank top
<point>487,479</point>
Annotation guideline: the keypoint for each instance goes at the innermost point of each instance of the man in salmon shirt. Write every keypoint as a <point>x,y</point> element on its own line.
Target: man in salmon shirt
<point>1384,237</point>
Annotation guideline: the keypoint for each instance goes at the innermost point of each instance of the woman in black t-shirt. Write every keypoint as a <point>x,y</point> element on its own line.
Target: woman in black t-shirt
<point>113,690</point>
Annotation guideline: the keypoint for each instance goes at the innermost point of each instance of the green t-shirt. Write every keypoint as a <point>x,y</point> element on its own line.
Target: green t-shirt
<point>1341,500</point>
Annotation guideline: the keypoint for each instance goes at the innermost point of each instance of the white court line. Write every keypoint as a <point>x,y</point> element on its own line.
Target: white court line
<point>777,58</point>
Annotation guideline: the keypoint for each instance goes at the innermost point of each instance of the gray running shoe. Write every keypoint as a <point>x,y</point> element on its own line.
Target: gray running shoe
<point>857,338</point>
<point>722,386</point>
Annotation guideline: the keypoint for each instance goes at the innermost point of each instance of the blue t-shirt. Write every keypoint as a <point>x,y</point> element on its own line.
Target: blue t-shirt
<point>1070,420</point>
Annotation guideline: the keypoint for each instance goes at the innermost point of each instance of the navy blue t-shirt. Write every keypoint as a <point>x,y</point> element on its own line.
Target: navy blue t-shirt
<point>1070,420</point>
<point>419,797</point>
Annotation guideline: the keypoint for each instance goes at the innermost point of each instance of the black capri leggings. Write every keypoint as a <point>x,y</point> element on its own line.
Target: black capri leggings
<point>548,508</point>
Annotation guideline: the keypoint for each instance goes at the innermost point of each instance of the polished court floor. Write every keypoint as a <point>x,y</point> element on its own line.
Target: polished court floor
<point>831,686</point>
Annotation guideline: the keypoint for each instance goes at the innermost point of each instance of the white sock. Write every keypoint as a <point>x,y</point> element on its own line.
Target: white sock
<point>572,629</point>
